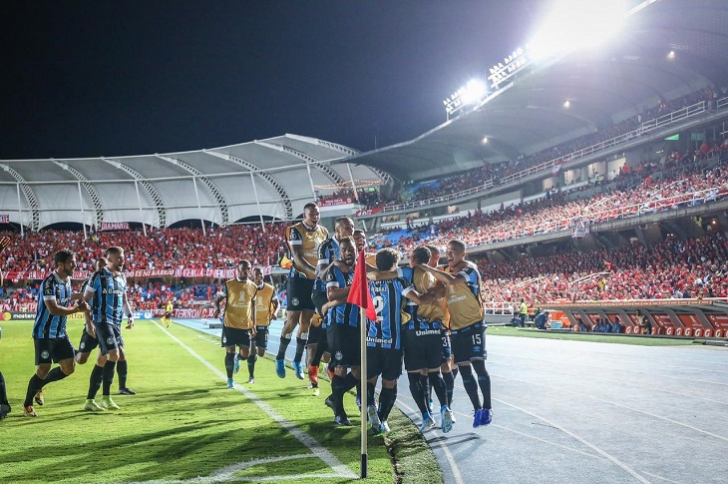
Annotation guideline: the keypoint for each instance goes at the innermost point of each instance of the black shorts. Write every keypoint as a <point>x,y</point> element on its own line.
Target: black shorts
<point>299,294</point>
<point>319,299</point>
<point>468,343</point>
<point>384,361</point>
<point>344,341</point>
<point>167,315</point>
<point>109,337</point>
<point>261,337</point>
<point>234,337</point>
<point>53,350</point>
<point>88,343</point>
<point>422,348</point>
<point>446,346</point>
<point>314,335</point>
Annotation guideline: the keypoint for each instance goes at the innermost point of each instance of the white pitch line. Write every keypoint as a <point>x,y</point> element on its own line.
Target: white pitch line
<point>614,460</point>
<point>322,453</point>
<point>507,429</point>
<point>616,405</point>
<point>448,455</point>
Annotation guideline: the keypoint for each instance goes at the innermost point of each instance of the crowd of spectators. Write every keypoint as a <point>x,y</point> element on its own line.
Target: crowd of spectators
<point>170,248</point>
<point>430,193</point>
<point>695,179</point>
<point>673,268</point>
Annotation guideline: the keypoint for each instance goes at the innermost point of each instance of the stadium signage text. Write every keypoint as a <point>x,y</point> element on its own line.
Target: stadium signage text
<point>105,226</point>
<point>146,274</point>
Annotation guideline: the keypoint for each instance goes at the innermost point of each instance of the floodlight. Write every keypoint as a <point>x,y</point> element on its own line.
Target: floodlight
<point>485,140</point>
<point>567,104</point>
<point>575,24</point>
<point>473,92</point>
<point>671,55</point>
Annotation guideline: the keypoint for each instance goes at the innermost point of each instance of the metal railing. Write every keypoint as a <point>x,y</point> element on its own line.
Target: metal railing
<point>499,308</point>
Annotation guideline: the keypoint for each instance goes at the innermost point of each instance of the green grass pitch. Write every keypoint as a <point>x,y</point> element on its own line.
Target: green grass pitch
<point>185,426</point>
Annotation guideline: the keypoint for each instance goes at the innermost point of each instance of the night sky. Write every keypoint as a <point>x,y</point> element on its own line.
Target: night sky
<point>92,78</point>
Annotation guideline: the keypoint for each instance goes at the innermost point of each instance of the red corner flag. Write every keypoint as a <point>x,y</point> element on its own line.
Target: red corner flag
<point>359,293</point>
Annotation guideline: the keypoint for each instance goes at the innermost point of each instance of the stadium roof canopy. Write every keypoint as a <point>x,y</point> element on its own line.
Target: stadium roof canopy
<point>274,178</point>
<point>606,85</point>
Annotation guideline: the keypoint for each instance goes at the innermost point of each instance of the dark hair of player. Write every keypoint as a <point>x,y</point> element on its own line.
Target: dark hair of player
<point>386,259</point>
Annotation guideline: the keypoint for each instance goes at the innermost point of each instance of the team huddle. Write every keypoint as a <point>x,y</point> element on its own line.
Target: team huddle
<point>430,320</point>
<point>427,319</point>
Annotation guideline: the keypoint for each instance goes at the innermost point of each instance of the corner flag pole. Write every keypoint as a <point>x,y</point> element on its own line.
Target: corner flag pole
<point>359,295</point>
<point>362,382</point>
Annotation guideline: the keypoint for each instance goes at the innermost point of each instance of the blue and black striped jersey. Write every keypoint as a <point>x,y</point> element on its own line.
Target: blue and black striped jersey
<point>343,313</point>
<point>387,297</point>
<point>48,326</point>
<point>108,297</point>
<point>328,252</point>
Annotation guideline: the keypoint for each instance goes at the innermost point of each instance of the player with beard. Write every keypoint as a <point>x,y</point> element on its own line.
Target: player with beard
<point>317,345</point>
<point>52,344</point>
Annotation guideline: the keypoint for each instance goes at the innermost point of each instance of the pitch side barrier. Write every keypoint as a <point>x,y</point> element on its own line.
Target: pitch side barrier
<point>689,318</point>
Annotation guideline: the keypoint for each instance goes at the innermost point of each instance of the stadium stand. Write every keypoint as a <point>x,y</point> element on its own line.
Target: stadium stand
<point>692,180</point>
<point>422,194</point>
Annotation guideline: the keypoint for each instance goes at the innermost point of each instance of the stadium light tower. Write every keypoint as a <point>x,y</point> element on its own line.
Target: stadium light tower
<point>469,95</point>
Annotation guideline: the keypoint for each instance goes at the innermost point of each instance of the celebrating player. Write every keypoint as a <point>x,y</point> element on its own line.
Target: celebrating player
<point>238,321</point>
<point>303,241</point>
<point>266,306</point>
<point>384,337</point>
<point>466,322</point>
<point>107,295</point>
<point>52,344</point>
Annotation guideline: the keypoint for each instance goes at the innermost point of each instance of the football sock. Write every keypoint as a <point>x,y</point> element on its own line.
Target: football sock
<point>483,381</point>
<point>121,371</point>
<point>108,377</point>
<point>251,364</point>
<point>438,384</point>
<point>285,341</point>
<point>97,376</point>
<point>371,399</point>
<point>229,364</point>
<point>35,384</point>
<point>54,375</point>
<point>313,371</point>
<point>387,397</point>
<point>415,387</point>
<point>300,347</point>
<point>338,385</point>
<point>471,386</point>
<point>449,385</point>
